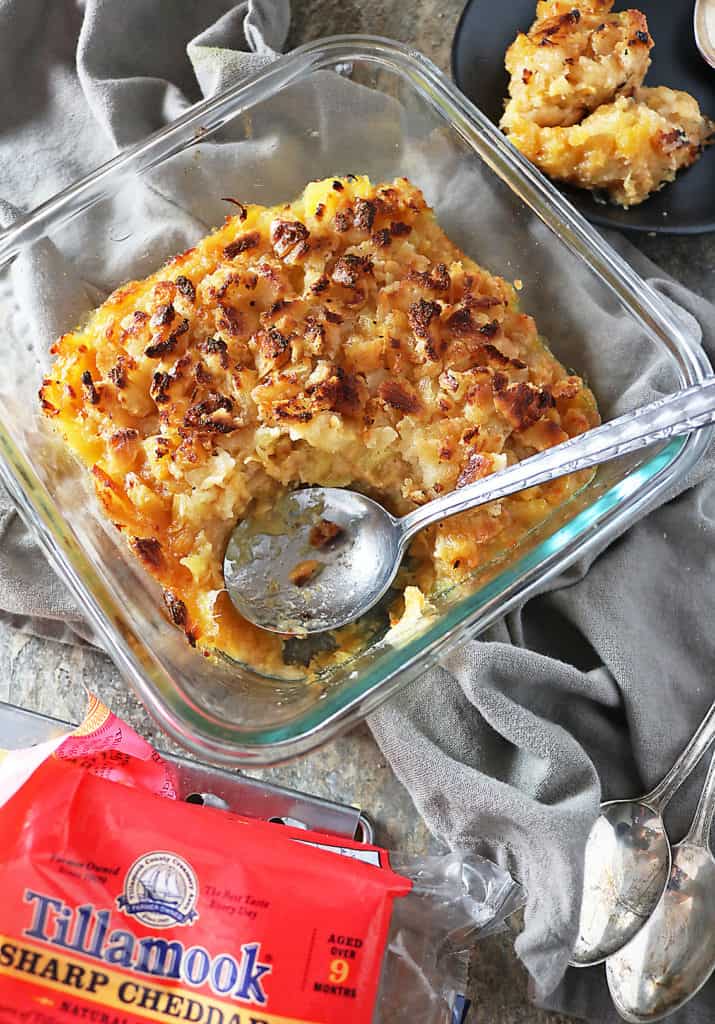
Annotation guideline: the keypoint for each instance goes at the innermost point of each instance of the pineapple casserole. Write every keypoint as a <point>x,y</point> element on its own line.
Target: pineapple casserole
<point>339,340</point>
<point>578,109</point>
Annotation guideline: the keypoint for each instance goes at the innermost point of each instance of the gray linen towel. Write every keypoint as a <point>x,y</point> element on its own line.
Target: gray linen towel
<point>603,676</point>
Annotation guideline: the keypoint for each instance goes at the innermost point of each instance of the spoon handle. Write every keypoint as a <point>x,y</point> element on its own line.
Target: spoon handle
<point>659,797</point>
<point>667,417</point>
<point>699,831</point>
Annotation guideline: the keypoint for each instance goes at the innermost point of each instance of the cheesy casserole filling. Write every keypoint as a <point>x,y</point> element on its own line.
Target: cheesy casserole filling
<point>340,340</point>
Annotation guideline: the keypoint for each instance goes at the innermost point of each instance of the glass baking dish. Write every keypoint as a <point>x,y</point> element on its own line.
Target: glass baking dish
<point>344,105</point>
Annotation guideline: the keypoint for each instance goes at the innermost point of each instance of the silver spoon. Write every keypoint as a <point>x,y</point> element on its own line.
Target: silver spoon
<point>704,25</point>
<point>673,955</point>
<point>281,576</point>
<point>628,860</point>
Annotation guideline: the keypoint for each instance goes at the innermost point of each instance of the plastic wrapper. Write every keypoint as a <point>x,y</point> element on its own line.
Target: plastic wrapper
<point>122,904</point>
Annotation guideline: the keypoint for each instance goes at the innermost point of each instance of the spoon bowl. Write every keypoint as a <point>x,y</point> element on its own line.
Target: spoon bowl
<point>628,860</point>
<point>314,561</point>
<point>673,955</point>
<point>627,863</point>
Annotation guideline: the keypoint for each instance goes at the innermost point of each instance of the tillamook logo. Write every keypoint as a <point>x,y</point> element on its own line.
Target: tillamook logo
<point>160,890</point>
<point>86,930</point>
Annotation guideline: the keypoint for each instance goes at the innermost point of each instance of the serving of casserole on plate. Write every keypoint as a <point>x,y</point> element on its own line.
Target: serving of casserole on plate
<point>339,340</point>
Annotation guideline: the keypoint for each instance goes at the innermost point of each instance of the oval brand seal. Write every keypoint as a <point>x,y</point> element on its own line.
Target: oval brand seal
<point>160,890</point>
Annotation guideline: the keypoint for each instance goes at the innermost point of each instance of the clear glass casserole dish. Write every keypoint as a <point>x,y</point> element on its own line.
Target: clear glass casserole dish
<point>342,105</point>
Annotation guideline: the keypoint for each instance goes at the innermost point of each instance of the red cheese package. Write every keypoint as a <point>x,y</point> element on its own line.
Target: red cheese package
<point>121,906</point>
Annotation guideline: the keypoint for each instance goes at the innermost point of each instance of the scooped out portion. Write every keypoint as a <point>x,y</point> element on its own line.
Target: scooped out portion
<point>578,109</point>
<point>341,340</point>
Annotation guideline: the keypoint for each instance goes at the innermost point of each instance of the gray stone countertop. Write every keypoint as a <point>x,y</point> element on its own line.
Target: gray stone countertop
<point>52,678</point>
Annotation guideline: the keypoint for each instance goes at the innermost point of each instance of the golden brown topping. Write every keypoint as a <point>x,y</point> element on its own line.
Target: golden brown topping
<point>242,244</point>
<point>397,395</point>
<point>500,381</point>
<point>149,550</point>
<point>47,407</point>
<point>160,347</point>
<point>476,467</point>
<point>163,315</point>
<point>273,344</point>
<point>523,404</point>
<point>490,329</point>
<point>324,533</point>
<point>287,235</point>
<point>207,415</point>
<point>276,307</point>
<point>567,388</point>
<point>339,393</point>
<point>448,381</point>
<point>398,228</point>
<point>436,279</point>
<point>304,571</point>
<point>495,355</point>
<point>482,301</point>
<point>343,220</point>
<point>349,269</point>
<point>123,437</point>
<point>186,288</point>
<point>231,320</point>
<point>421,314</point>
<point>382,238</point>
<point>320,285</point>
<point>460,322</point>
<point>118,373</point>
<point>162,447</point>
<point>202,374</point>
<point>216,346</point>
<point>229,280</point>
<point>90,390</point>
<point>293,409</point>
<point>672,140</point>
<point>314,330</point>
<point>553,26</point>
<point>159,387</point>
<point>365,211</point>
<point>177,608</point>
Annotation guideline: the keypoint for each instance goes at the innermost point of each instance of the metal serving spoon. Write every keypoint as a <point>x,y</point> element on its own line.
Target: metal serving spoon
<point>628,860</point>
<point>321,557</point>
<point>704,24</point>
<point>673,955</point>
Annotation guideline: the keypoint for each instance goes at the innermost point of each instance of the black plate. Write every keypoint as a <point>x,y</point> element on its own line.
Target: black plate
<point>687,205</point>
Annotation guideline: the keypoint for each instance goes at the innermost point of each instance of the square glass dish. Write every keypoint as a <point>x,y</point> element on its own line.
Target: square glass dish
<point>339,106</point>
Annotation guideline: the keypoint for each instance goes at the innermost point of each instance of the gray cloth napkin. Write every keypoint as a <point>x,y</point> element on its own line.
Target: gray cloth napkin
<point>602,676</point>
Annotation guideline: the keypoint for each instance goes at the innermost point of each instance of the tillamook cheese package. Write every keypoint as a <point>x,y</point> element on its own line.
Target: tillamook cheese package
<point>121,906</point>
